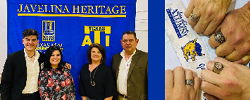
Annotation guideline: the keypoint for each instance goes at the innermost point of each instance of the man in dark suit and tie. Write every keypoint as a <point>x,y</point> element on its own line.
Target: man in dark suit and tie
<point>21,70</point>
<point>131,69</point>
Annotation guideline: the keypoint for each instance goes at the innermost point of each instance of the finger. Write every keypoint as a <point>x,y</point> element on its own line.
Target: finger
<point>235,55</point>
<point>202,24</point>
<point>210,65</point>
<point>195,15</point>
<point>227,66</point>
<point>179,77</point>
<point>244,60</point>
<point>169,80</point>
<point>224,62</point>
<point>211,88</point>
<point>224,49</point>
<point>190,8</point>
<point>195,74</point>
<point>209,76</point>
<point>191,22</point>
<point>212,42</point>
<point>197,83</point>
<point>189,75</point>
<point>189,88</point>
<point>69,66</point>
<point>212,27</point>
<point>209,97</point>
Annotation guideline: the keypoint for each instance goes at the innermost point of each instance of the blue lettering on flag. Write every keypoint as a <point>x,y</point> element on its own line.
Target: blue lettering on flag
<point>178,22</point>
<point>201,66</point>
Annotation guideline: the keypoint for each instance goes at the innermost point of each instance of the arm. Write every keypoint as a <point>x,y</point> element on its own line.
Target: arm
<point>81,87</point>
<point>7,79</point>
<point>72,86</point>
<point>109,98</point>
<point>112,65</point>
<point>110,88</point>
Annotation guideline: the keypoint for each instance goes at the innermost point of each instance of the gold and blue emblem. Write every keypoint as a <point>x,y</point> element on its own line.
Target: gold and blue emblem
<point>48,30</point>
<point>192,49</point>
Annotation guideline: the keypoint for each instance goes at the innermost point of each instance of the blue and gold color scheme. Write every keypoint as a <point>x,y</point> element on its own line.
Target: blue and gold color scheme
<point>54,10</point>
<point>193,49</point>
<point>106,30</point>
<point>48,30</point>
<point>48,36</point>
<point>72,25</point>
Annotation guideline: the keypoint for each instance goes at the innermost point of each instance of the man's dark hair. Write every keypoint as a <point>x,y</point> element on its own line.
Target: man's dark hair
<point>48,54</point>
<point>100,48</point>
<point>29,32</point>
<point>130,32</point>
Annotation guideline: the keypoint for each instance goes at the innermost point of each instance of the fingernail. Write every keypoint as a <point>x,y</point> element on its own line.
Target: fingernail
<point>245,58</point>
<point>205,98</point>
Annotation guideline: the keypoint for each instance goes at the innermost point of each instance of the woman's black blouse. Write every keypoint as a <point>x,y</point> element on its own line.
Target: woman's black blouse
<point>104,82</point>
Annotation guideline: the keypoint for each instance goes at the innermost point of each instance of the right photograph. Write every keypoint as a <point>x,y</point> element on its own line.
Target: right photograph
<point>207,50</point>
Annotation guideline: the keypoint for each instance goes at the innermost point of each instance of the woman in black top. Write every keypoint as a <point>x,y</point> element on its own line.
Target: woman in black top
<point>96,79</point>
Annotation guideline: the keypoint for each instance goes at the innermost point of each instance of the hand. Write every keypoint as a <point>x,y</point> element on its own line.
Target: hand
<point>176,88</point>
<point>68,65</point>
<point>84,97</point>
<point>108,98</point>
<point>232,83</point>
<point>236,30</point>
<point>210,13</point>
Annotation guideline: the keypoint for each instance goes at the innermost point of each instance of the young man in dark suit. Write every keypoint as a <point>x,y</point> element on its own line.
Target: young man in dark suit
<point>131,69</point>
<point>21,70</point>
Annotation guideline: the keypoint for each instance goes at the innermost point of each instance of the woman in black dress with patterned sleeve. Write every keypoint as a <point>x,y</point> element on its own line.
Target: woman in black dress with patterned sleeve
<point>96,79</point>
<point>55,80</point>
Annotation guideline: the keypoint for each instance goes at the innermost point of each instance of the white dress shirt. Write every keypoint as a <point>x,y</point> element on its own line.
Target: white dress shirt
<point>32,74</point>
<point>123,73</point>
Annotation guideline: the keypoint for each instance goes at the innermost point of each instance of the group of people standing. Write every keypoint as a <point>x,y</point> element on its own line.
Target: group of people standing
<point>30,75</point>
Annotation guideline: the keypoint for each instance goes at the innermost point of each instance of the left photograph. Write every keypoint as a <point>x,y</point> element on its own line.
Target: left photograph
<point>74,50</point>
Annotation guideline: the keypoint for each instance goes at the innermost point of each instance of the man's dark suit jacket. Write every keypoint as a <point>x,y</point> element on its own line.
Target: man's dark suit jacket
<point>137,83</point>
<point>14,75</point>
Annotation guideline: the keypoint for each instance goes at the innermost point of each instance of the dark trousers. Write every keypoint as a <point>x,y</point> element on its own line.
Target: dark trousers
<point>33,96</point>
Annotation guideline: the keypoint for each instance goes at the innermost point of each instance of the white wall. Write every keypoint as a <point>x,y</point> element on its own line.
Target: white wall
<point>141,24</point>
<point>3,34</point>
<point>141,28</point>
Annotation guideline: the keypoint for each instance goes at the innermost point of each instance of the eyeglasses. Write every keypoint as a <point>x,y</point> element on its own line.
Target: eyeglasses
<point>125,40</point>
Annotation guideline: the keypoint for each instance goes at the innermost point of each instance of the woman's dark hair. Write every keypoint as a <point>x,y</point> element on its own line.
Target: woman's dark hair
<point>48,54</point>
<point>100,48</point>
